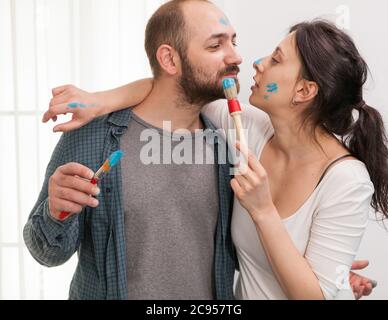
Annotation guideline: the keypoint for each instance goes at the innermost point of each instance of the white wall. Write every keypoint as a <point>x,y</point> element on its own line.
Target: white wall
<point>261,25</point>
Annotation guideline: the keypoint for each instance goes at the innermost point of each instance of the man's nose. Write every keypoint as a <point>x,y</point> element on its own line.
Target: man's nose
<point>233,57</point>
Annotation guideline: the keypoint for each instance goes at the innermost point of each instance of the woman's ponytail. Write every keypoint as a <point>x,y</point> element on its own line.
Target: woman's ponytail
<point>368,143</point>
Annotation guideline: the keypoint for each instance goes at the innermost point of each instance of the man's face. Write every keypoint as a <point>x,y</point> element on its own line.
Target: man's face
<point>212,52</point>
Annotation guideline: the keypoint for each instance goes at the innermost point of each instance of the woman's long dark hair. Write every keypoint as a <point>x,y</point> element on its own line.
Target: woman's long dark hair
<point>330,58</point>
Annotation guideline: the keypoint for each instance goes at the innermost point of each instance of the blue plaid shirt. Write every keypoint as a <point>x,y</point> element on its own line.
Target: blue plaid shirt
<point>97,234</point>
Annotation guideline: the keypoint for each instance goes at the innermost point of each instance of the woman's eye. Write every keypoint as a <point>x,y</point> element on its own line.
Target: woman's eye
<point>274,61</point>
<point>235,44</point>
<point>216,46</point>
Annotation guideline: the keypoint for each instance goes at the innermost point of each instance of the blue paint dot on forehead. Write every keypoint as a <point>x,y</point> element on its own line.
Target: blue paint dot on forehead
<point>224,21</point>
<point>228,83</point>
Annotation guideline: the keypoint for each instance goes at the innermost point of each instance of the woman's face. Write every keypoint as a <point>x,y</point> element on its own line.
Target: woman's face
<point>276,78</point>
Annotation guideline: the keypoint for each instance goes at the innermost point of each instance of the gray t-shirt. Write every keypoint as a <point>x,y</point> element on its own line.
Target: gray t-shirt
<point>171,213</point>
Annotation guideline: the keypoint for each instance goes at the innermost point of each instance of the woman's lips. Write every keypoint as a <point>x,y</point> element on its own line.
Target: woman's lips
<point>255,86</point>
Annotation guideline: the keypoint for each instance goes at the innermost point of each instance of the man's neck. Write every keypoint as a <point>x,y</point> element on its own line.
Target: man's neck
<point>165,104</point>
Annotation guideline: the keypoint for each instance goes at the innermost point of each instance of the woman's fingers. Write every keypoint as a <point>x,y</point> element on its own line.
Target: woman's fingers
<point>367,290</point>
<point>243,182</point>
<point>71,125</point>
<point>248,176</point>
<point>59,90</point>
<point>360,264</point>
<point>236,187</point>
<point>63,98</point>
<point>55,111</point>
<point>251,180</point>
<point>253,163</point>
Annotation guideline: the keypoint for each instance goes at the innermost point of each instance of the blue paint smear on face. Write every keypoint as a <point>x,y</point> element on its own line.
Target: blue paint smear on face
<point>224,21</point>
<point>272,88</point>
<point>259,61</point>
<point>266,98</point>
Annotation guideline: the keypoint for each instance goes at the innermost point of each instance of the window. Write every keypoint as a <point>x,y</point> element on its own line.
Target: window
<point>94,44</point>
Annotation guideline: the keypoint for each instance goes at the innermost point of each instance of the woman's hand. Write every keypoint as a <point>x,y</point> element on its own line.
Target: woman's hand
<point>361,286</point>
<point>251,186</point>
<point>86,106</point>
<point>69,99</point>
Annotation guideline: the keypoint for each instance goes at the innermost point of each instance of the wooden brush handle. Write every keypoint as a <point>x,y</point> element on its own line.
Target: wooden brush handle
<point>238,124</point>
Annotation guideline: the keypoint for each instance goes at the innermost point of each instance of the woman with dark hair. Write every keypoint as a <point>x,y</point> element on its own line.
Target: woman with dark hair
<point>315,168</point>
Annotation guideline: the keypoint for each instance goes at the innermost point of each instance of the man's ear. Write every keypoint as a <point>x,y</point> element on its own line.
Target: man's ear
<point>168,59</point>
<point>305,91</point>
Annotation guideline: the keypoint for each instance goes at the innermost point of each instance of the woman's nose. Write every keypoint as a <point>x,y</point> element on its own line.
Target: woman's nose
<point>258,65</point>
<point>259,61</point>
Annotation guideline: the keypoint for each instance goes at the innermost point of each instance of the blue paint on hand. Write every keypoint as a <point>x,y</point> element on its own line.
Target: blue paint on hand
<point>228,83</point>
<point>115,158</point>
<point>75,105</point>
<point>272,88</point>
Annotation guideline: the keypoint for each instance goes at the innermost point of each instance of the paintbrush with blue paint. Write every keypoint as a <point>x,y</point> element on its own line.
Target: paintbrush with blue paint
<point>231,94</point>
<point>111,162</point>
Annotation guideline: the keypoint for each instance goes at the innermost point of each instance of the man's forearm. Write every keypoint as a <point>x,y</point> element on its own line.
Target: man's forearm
<point>50,242</point>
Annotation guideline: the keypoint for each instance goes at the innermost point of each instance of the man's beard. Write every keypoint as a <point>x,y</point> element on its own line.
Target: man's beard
<point>197,89</point>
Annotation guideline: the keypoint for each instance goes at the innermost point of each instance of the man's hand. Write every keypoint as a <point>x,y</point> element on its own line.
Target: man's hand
<point>361,286</point>
<point>69,99</point>
<point>70,190</point>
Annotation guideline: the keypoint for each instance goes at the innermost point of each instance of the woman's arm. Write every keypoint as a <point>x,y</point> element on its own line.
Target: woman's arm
<point>291,269</point>
<point>86,106</point>
<point>123,97</point>
<point>339,223</point>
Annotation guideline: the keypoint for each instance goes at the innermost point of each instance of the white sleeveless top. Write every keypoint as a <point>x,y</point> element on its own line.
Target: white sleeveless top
<point>327,229</point>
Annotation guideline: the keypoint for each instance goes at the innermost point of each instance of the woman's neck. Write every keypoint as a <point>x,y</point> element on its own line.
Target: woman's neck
<point>296,143</point>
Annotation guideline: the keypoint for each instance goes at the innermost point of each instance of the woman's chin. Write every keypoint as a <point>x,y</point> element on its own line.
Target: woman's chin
<point>254,101</point>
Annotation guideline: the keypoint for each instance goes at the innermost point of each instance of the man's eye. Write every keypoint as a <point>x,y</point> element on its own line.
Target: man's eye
<point>216,46</point>
<point>274,61</point>
<point>235,44</point>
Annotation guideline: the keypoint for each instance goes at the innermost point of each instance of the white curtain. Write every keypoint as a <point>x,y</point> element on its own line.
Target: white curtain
<point>95,44</point>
